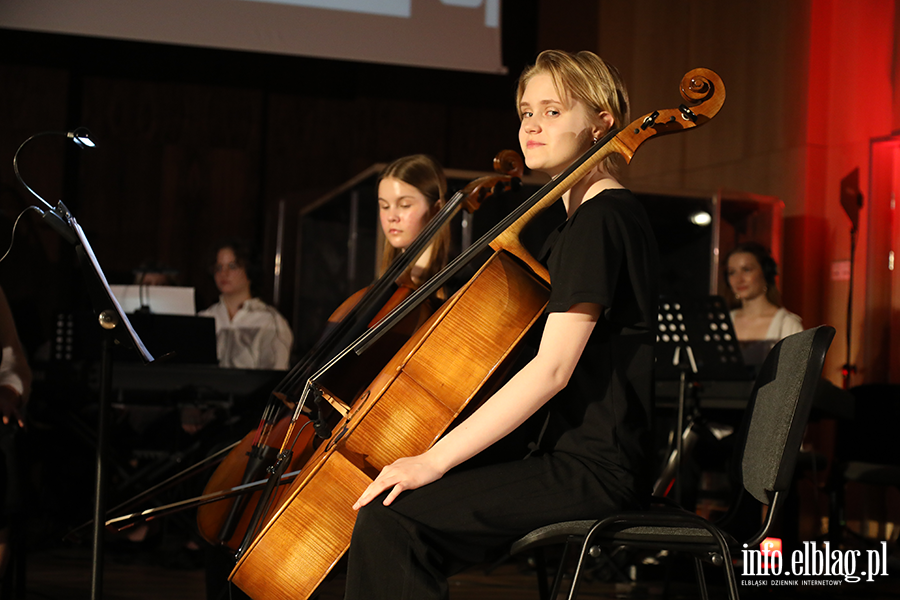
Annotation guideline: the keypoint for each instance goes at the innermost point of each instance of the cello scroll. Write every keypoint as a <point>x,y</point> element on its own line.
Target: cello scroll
<point>509,165</point>
<point>704,93</point>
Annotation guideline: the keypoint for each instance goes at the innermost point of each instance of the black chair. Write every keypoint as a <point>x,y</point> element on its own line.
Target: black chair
<point>766,451</point>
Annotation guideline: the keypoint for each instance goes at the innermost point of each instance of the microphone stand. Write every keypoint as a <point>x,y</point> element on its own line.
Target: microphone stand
<point>849,369</point>
<point>851,201</point>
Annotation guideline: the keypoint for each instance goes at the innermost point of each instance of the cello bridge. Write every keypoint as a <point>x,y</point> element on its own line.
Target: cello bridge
<point>342,408</point>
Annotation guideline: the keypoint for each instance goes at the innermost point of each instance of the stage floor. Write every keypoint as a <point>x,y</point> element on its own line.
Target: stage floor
<point>65,574</point>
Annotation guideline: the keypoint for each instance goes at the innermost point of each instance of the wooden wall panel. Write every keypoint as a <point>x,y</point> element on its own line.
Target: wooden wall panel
<point>745,42</point>
<point>176,169</point>
<point>809,84</point>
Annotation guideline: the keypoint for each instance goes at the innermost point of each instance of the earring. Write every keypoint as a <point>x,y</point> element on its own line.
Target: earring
<point>596,139</point>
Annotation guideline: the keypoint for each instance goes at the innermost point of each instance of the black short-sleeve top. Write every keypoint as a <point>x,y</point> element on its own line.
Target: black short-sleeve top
<point>606,253</point>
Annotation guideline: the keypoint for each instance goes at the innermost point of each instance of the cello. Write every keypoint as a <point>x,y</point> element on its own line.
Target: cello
<point>225,522</point>
<point>438,374</point>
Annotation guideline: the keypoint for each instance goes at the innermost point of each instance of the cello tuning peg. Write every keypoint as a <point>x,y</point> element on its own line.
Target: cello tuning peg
<point>650,119</point>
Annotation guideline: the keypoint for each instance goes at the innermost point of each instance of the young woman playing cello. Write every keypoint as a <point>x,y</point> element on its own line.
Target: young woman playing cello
<point>411,191</point>
<point>418,523</point>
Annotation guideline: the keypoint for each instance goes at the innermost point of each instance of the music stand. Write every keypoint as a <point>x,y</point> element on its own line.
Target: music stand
<point>111,318</point>
<point>115,326</point>
<point>694,339</point>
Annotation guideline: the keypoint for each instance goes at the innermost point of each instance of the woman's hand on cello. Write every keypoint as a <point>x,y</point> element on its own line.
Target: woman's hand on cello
<point>403,474</point>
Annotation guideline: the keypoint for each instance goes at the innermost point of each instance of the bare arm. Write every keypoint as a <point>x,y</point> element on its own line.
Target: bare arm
<point>562,343</point>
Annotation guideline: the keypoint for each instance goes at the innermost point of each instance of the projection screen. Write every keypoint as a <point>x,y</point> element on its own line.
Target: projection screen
<point>460,35</point>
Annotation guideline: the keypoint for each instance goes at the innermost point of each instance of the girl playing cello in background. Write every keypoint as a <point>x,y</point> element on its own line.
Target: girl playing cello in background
<point>411,191</point>
<point>418,522</point>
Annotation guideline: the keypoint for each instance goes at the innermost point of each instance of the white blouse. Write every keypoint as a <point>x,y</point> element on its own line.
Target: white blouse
<point>783,324</point>
<point>258,337</point>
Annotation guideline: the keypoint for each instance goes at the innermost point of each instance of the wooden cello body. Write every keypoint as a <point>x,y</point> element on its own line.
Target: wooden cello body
<point>447,367</point>
<point>419,393</point>
<point>214,520</point>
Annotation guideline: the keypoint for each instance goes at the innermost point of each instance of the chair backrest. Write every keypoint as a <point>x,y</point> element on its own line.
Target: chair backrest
<point>778,411</point>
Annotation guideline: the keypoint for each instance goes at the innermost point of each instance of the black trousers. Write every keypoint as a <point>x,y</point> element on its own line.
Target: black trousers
<point>407,550</point>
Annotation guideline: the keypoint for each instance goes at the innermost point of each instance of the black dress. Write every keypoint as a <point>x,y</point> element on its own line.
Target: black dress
<point>593,450</point>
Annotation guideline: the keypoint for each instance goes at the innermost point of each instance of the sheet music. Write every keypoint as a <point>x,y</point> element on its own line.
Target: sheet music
<point>158,299</point>
<point>89,252</point>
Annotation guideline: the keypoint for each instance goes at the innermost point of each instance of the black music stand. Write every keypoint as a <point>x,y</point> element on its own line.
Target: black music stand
<point>111,318</point>
<point>115,327</point>
<point>694,340</point>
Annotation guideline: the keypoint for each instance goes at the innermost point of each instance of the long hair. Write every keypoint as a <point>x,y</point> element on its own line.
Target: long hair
<point>766,263</point>
<point>426,175</point>
<point>588,78</point>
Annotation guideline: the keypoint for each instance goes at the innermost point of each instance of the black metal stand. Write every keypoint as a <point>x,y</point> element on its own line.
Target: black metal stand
<point>695,340</point>
<point>680,428</point>
<point>115,326</point>
<point>100,474</point>
<point>851,201</point>
<point>849,369</point>
<point>112,321</point>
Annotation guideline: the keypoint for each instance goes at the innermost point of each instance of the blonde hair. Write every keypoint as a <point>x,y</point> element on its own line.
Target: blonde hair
<point>426,175</point>
<point>587,78</point>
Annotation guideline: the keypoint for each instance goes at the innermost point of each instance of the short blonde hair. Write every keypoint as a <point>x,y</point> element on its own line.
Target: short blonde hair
<point>588,78</point>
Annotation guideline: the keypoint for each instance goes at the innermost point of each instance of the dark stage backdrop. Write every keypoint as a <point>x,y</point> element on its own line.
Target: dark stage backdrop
<point>196,145</point>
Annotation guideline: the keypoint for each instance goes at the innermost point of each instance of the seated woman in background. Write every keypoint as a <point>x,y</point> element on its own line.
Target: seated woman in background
<point>250,334</point>
<point>412,190</point>
<point>759,319</point>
